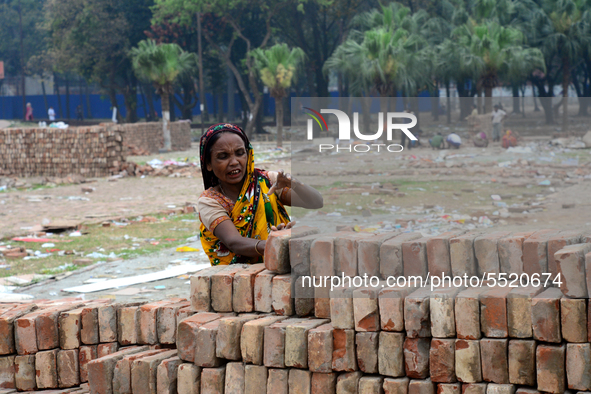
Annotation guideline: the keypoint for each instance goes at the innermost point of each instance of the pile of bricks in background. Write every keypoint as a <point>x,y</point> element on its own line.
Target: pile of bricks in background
<point>65,343</point>
<point>389,340</point>
<point>147,137</point>
<point>88,151</point>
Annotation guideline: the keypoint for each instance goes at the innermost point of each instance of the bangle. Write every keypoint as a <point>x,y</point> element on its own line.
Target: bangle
<point>256,247</point>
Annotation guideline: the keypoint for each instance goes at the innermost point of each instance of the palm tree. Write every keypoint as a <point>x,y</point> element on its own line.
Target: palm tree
<point>491,52</point>
<point>383,62</point>
<point>277,68</point>
<point>559,29</point>
<point>162,64</point>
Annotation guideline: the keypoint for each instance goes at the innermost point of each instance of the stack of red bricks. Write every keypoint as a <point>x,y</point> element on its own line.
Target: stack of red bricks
<point>87,151</point>
<point>257,330</point>
<point>148,136</point>
<point>116,348</point>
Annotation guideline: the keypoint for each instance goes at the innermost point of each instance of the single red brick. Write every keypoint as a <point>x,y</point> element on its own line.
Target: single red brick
<point>442,360</point>
<point>343,353</point>
<point>414,257</point>
<point>493,312</point>
<point>545,316</point>
<point>550,363</point>
<point>535,252</point>
<point>493,355</point>
<point>416,357</point>
<point>85,355</point>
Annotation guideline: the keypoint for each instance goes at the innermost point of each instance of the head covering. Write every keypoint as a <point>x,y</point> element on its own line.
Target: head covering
<point>252,214</point>
<point>209,179</point>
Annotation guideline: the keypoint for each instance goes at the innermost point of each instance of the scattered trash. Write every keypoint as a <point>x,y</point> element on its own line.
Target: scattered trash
<point>545,182</point>
<point>96,255</point>
<point>519,149</point>
<point>160,287</point>
<point>75,234</point>
<point>48,245</point>
<point>495,197</point>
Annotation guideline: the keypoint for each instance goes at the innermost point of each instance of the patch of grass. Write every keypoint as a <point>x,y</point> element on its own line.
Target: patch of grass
<point>135,239</point>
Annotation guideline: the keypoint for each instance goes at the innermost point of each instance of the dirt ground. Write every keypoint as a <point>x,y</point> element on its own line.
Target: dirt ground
<point>540,186</point>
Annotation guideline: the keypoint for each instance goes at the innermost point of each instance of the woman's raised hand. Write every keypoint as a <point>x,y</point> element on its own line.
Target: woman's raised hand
<point>283,180</point>
<point>282,226</point>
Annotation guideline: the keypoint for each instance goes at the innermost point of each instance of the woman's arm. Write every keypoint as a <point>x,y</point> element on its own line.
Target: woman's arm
<point>299,194</point>
<point>229,236</point>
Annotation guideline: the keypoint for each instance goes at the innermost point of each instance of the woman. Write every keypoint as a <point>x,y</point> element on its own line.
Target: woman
<point>241,204</point>
<point>480,140</point>
<point>509,140</point>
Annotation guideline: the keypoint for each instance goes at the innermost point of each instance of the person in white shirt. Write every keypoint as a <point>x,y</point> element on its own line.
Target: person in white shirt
<point>453,141</point>
<point>51,114</point>
<point>498,115</point>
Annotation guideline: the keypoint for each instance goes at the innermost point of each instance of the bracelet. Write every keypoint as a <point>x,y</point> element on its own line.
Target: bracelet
<point>256,247</point>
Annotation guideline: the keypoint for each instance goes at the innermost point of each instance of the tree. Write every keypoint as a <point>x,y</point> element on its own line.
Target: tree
<point>21,37</point>
<point>162,65</point>
<point>491,52</point>
<point>277,68</point>
<point>249,22</point>
<point>318,27</point>
<point>93,39</point>
<point>558,29</point>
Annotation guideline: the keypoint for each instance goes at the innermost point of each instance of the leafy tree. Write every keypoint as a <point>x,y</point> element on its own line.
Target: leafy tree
<point>277,68</point>
<point>162,64</point>
<point>491,52</point>
<point>558,29</point>
<point>93,38</point>
<point>249,23</point>
<point>16,17</point>
<point>318,27</point>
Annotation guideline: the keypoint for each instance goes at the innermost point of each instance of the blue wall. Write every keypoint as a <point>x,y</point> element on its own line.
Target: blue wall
<point>11,106</point>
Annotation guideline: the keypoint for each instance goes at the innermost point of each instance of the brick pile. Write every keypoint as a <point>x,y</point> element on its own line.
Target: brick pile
<point>389,340</point>
<point>56,344</point>
<point>255,329</point>
<point>148,136</point>
<point>88,151</point>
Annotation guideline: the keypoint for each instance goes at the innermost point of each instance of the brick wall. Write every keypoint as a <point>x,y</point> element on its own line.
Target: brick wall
<point>148,136</point>
<point>88,151</point>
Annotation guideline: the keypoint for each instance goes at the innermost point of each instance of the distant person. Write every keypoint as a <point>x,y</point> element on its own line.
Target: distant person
<point>79,113</point>
<point>29,113</point>
<point>453,140</point>
<point>480,140</point>
<point>51,114</point>
<point>437,141</point>
<point>498,115</point>
<point>509,139</point>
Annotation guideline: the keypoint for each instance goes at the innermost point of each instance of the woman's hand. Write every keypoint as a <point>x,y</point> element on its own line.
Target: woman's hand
<point>283,180</point>
<point>283,226</point>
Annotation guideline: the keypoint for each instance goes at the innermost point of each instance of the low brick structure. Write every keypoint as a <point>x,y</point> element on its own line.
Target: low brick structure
<point>88,151</point>
<point>226,340</point>
<point>148,136</point>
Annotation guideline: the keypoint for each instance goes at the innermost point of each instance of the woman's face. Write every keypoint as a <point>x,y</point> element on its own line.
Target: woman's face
<point>228,159</point>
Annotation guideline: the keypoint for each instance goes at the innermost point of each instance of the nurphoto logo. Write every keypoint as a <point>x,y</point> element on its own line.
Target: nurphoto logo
<point>344,124</point>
